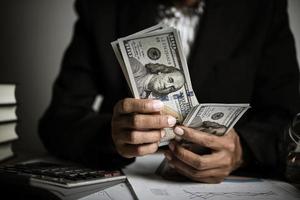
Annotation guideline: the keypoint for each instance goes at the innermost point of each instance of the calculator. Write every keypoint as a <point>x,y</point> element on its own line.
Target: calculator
<point>66,176</point>
<point>49,180</point>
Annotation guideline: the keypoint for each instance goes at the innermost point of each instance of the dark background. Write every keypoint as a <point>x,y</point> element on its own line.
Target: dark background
<point>34,35</point>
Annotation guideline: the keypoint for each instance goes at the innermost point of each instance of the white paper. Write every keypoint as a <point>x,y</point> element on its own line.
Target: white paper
<point>119,191</point>
<point>147,185</point>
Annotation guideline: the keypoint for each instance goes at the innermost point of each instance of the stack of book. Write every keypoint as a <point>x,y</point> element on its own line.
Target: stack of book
<point>8,120</point>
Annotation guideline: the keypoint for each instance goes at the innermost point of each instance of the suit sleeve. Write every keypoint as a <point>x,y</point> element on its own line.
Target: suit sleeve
<point>70,128</point>
<point>275,100</point>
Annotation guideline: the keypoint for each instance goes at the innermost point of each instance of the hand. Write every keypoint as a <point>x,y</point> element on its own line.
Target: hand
<point>190,2</point>
<point>137,126</point>
<point>226,155</point>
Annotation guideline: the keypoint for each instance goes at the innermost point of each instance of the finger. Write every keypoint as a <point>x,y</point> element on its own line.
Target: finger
<point>141,137</point>
<point>130,150</point>
<point>220,173</point>
<point>198,175</point>
<point>201,138</point>
<point>142,121</point>
<point>199,162</point>
<point>131,105</point>
<point>211,180</point>
<point>202,180</point>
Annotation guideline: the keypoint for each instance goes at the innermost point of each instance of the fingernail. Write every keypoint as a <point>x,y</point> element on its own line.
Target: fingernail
<point>162,133</point>
<point>171,121</point>
<point>172,146</point>
<point>167,155</point>
<point>157,105</point>
<point>178,131</point>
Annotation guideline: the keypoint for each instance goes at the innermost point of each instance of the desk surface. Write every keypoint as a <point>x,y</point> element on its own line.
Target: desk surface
<point>133,171</point>
<point>148,185</point>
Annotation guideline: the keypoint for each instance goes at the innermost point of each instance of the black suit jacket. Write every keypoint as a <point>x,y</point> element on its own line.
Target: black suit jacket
<point>244,52</point>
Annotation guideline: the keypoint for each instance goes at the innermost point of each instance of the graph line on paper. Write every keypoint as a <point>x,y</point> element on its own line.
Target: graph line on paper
<point>229,195</point>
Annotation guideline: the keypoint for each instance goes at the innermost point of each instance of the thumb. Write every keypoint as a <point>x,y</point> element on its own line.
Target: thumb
<point>199,137</point>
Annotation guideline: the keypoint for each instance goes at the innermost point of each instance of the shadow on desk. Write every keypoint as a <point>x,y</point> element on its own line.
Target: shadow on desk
<point>23,192</point>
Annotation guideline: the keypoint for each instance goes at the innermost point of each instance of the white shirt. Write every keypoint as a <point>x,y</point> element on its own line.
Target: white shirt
<point>184,19</point>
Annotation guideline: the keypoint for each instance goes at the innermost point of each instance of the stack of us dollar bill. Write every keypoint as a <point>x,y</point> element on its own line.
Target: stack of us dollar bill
<point>155,67</point>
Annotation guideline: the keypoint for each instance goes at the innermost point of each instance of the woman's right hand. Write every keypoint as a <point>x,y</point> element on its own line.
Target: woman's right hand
<point>137,126</point>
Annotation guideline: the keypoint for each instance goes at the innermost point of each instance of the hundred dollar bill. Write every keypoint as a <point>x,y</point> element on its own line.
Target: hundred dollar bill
<point>154,66</point>
<point>216,119</point>
<point>157,69</point>
<point>117,51</point>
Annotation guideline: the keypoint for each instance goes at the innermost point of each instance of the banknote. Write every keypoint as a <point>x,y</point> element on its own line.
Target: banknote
<point>157,69</point>
<point>216,119</point>
<point>117,51</point>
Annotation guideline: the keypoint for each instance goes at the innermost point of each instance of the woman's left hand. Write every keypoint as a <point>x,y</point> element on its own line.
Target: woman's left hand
<point>226,155</point>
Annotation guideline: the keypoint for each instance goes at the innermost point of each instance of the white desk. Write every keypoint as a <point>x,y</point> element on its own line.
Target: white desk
<point>147,185</point>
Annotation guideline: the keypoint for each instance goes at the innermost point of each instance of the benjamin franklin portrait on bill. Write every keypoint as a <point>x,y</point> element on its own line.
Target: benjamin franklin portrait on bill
<point>209,127</point>
<point>154,79</point>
